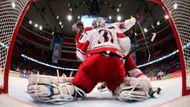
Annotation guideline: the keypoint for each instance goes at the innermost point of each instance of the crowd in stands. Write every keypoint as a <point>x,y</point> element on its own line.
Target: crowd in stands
<point>156,52</point>
<point>166,66</point>
<point>22,65</point>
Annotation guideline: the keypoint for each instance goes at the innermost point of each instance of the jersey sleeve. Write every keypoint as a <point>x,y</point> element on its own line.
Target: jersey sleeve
<point>82,46</point>
<point>124,42</point>
<point>77,36</point>
<point>129,23</point>
<point>88,29</point>
<point>123,26</point>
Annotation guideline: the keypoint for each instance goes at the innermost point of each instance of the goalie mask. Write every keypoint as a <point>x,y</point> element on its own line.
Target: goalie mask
<point>98,22</point>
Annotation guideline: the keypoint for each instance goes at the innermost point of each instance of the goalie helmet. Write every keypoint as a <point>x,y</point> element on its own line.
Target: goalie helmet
<point>78,24</point>
<point>98,22</point>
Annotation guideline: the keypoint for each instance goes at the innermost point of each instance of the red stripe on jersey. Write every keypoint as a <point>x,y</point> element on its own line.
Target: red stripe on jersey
<point>77,36</point>
<point>83,46</point>
<point>103,49</point>
<point>88,29</point>
<point>120,35</point>
<point>139,75</point>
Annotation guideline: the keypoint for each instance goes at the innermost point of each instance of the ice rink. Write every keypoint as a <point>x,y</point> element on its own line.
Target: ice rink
<point>171,90</point>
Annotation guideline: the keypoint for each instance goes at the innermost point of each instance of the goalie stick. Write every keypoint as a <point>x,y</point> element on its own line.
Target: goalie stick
<point>139,19</point>
<point>146,43</point>
<point>140,46</point>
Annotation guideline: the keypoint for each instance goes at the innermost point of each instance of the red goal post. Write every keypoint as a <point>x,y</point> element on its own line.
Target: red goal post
<point>178,12</point>
<point>12,13</point>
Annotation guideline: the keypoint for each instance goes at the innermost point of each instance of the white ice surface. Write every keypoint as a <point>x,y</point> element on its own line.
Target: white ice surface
<point>171,89</point>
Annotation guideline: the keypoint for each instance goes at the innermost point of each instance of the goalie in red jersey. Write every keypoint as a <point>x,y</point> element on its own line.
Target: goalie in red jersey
<point>129,65</point>
<point>101,53</point>
<point>101,50</point>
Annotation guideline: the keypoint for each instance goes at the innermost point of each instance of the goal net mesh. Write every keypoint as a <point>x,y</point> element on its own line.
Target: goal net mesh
<point>10,12</point>
<point>179,11</point>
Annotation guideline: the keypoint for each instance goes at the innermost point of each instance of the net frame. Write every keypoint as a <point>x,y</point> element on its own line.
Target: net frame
<point>11,16</point>
<point>181,37</point>
<point>183,63</point>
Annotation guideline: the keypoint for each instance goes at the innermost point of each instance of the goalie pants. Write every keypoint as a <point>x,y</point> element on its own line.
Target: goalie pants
<point>98,68</point>
<point>130,63</point>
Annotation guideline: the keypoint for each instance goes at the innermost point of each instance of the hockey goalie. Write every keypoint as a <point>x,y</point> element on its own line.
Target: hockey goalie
<point>125,45</point>
<point>101,53</point>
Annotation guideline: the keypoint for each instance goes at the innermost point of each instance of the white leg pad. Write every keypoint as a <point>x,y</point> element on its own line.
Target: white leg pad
<point>52,89</point>
<point>132,89</point>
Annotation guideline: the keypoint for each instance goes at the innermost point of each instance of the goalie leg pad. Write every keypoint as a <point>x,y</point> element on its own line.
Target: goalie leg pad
<point>132,89</point>
<point>53,92</point>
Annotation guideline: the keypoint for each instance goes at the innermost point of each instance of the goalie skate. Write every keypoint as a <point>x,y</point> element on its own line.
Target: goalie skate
<point>102,87</point>
<point>154,93</point>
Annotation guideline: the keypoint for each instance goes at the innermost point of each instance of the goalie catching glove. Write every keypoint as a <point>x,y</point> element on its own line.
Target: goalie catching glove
<point>133,89</point>
<point>53,89</point>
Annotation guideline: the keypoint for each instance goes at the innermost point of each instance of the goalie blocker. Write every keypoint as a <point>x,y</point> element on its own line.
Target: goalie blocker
<point>60,89</point>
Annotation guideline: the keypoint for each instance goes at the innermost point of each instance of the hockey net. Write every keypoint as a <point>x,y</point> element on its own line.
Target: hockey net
<point>11,15</point>
<point>13,11</point>
<point>178,12</point>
